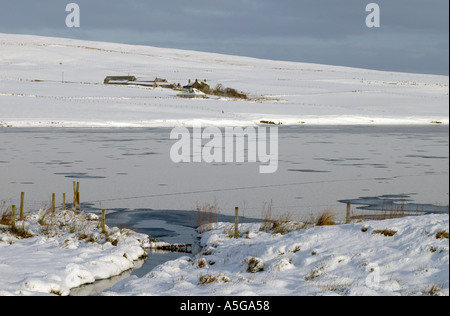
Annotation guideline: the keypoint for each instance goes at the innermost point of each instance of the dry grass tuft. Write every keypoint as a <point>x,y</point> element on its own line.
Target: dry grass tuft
<point>327,218</point>
<point>21,232</point>
<point>255,265</point>
<point>207,215</point>
<point>385,232</point>
<point>5,214</point>
<point>434,290</point>
<point>282,224</point>
<point>442,234</point>
<point>5,218</point>
<point>315,273</point>
<point>17,230</point>
<point>201,263</point>
<point>209,278</point>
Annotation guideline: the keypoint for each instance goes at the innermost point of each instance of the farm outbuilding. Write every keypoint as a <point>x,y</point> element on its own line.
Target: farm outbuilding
<point>192,94</point>
<point>119,79</point>
<point>202,86</point>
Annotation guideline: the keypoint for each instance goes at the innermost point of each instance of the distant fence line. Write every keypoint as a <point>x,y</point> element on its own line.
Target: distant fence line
<point>35,202</point>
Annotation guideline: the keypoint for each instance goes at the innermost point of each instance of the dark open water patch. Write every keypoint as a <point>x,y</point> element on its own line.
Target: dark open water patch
<point>185,220</point>
<point>426,157</point>
<point>396,202</point>
<point>330,159</point>
<point>58,162</point>
<point>359,165</point>
<point>131,218</point>
<point>308,171</point>
<point>78,176</point>
<point>140,154</point>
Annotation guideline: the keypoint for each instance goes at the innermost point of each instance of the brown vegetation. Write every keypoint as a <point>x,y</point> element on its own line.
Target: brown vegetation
<point>327,218</point>
<point>207,215</point>
<point>385,232</point>
<point>221,91</point>
<point>442,234</point>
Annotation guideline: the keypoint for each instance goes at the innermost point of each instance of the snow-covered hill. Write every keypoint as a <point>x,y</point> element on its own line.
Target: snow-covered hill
<point>59,82</point>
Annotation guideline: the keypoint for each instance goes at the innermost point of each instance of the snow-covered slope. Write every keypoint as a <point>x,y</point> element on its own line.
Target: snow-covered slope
<point>59,82</point>
<point>62,251</point>
<point>355,259</point>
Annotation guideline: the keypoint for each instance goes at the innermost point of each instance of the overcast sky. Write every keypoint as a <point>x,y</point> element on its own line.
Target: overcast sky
<point>413,37</point>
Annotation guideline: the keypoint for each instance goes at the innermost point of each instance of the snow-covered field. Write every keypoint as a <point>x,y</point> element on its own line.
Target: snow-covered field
<point>59,82</point>
<point>354,259</point>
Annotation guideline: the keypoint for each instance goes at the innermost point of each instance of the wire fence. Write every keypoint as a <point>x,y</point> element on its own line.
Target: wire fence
<point>39,204</point>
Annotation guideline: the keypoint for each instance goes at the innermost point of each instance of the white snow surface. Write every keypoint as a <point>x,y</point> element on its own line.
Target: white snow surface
<point>65,251</point>
<point>59,83</point>
<point>330,260</point>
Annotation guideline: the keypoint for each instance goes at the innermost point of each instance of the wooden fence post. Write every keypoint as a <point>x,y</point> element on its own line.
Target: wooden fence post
<point>13,217</point>
<point>104,222</point>
<point>53,203</point>
<point>78,196</point>
<point>74,207</point>
<point>64,202</point>
<point>22,199</point>
<point>236,222</point>
<point>348,218</point>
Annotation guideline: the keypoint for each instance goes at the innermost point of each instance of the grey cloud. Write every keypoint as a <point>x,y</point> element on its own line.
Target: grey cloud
<point>321,31</point>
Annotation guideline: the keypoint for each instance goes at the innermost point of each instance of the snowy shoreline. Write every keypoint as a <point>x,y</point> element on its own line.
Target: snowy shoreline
<point>315,121</point>
<point>353,259</point>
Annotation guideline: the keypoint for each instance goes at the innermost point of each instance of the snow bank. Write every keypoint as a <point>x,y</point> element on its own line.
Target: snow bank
<point>407,256</point>
<point>355,259</point>
<point>64,252</point>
